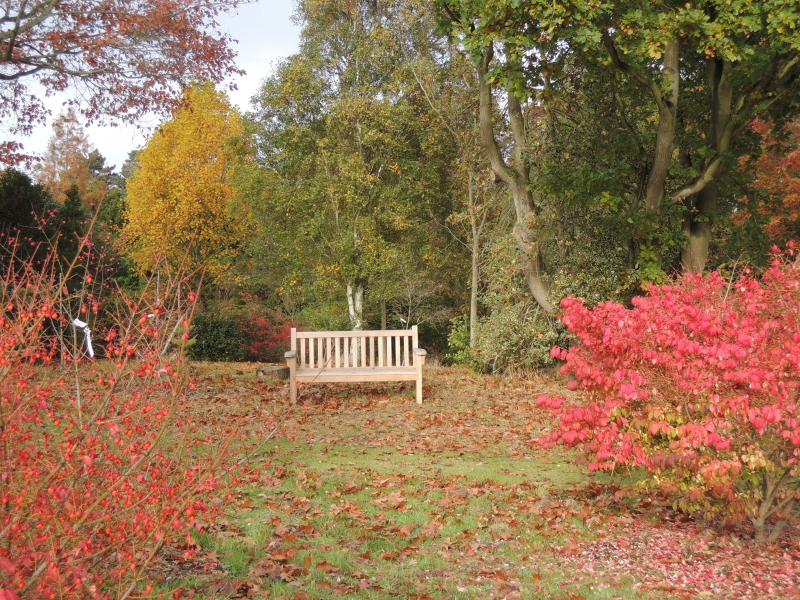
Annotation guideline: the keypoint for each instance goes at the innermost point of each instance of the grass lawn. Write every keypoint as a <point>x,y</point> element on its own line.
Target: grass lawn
<point>363,494</point>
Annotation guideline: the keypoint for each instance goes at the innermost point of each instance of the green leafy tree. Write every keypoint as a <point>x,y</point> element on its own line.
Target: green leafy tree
<point>684,80</point>
<point>357,159</point>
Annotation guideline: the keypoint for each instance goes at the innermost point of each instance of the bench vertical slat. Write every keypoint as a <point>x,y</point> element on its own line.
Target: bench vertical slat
<point>328,356</point>
<point>381,342</point>
<point>415,342</point>
<point>398,342</point>
<point>302,353</point>
<point>337,363</point>
<point>406,340</point>
<point>347,352</point>
<point>314,353</point>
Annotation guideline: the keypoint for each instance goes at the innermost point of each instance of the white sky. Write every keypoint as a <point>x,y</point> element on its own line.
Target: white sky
<point>265,34</point>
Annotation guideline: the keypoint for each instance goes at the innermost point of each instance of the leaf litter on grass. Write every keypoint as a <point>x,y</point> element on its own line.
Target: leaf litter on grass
<point>365,494</point>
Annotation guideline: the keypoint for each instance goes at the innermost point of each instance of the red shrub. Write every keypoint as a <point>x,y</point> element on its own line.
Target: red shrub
<point>94,474</point>
<point>699,384</point>
<point>266,340</point>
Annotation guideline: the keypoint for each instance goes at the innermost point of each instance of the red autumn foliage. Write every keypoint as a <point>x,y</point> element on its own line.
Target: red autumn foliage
<point>97,469</point>
<point>266,340</point>
<point>124,57</point>
<point>777,176</point>
<point>699,384</point>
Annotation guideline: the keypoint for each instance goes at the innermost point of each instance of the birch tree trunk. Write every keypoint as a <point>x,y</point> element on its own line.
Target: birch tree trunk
<point>355,305</point>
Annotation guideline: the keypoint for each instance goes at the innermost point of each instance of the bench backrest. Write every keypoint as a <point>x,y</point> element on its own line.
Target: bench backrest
<point>349,349</point>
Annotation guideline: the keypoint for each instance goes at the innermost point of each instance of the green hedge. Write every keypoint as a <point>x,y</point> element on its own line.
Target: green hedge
<point>218,339</point>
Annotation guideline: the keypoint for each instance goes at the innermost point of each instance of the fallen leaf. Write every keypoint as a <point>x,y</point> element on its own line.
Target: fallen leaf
<point>220,587</point>
<point>327,567</point>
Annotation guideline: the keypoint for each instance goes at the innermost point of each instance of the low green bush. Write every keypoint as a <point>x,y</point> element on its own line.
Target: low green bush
<point>219,338</point>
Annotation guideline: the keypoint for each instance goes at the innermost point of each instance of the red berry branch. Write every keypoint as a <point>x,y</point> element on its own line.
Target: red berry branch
<point>97,470</point>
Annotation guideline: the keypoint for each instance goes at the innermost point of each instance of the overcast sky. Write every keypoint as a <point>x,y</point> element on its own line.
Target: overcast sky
<point>265,33</point>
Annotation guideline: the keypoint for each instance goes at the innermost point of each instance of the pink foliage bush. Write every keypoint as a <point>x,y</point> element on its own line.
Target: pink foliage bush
<point>699,384</point>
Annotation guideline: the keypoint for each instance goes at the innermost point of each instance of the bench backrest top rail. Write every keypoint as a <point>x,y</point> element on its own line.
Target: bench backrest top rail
<point>353,334</point>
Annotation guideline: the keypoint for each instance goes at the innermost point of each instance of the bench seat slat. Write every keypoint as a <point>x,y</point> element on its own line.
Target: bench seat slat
<point>357,374</point>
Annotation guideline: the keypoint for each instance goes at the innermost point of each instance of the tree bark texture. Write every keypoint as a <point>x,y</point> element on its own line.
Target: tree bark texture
<point>516,178</point>
<point>694,253</point>
<point>665,135</point>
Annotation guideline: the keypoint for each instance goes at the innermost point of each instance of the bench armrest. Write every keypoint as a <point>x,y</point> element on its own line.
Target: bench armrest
<point>420,352</point>
<point>290,354</point>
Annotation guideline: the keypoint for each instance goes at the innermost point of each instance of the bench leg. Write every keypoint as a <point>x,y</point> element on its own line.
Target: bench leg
<point>292,364</point>
<point>419,381</point>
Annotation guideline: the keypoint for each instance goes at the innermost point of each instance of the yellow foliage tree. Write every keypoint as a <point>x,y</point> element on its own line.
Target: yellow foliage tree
<point>181,200</point>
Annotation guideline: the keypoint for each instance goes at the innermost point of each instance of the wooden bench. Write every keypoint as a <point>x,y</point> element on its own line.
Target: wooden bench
<point>343,356</point>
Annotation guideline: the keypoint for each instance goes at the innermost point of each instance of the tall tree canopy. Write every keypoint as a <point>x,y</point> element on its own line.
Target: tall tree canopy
<point>181,198</point>
<point>124,57</point>
<point>657,96</point>
<point>358,160</point>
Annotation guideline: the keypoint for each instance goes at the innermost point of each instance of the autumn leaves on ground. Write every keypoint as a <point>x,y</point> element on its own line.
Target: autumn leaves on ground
<point>362,493</point>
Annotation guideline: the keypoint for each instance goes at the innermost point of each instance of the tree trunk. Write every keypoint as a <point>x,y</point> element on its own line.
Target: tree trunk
<point>702,204</point>
<point>695,252</point>
<point>515,176</point>
<point>355,305</point>
<point>667,118</point>
<point>476,240</point>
